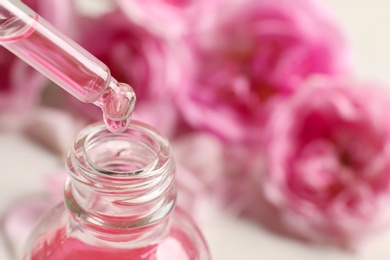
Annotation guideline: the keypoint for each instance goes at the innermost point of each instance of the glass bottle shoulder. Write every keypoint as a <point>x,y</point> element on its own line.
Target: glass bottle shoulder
<point>58,237</point>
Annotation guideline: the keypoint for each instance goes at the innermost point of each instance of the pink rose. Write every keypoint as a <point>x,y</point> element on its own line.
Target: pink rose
<point>327,158</point>
<point>168,18</point>
<point>252,52</point>
<point>20,84</point>
<point>152,65</point>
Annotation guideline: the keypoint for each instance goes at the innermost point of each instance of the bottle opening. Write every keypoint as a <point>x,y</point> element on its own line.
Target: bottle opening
<point>139,151</point>
<point>130,153</point>
<point>122,179</point>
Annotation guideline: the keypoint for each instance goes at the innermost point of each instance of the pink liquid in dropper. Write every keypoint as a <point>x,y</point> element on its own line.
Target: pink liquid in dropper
<point>68,65</point>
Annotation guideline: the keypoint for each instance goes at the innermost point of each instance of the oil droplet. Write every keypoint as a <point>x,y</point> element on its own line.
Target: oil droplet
<point>117,104</point>
<point>116,126</point>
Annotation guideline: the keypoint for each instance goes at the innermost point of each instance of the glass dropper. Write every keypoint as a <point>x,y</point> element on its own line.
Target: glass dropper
<point>37,42</point>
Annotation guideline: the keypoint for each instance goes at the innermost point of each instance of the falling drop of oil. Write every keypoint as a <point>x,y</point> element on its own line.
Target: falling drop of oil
<point>116,126</point>
<point>117,104</point>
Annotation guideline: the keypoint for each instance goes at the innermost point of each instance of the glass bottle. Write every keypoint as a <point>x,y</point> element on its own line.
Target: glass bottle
<point>119,203</point>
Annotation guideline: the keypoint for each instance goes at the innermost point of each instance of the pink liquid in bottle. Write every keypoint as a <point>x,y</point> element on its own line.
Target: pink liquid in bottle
<point>37,42</point>
<point>175,247</point>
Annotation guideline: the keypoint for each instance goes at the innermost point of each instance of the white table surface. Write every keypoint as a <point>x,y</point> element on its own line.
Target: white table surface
<point>23,163</point>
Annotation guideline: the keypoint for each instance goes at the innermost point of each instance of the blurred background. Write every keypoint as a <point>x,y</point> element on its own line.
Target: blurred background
<point>32,147</point>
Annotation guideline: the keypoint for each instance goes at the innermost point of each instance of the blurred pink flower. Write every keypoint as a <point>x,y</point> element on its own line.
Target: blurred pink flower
<point>254,51</point>
<point>327,171</point>
<point>151,64</point>
<point>168,18</point>
<point>20,84</point>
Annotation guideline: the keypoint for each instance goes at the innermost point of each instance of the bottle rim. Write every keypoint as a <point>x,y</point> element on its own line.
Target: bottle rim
<point>120,179</point>
<point>100,155</point>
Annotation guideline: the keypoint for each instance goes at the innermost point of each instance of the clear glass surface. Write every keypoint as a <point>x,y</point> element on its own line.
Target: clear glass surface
<point>59,238</point>
<point>119,203</point>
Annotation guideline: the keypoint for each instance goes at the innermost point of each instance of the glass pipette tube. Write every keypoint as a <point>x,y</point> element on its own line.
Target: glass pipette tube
<point>40,44</point>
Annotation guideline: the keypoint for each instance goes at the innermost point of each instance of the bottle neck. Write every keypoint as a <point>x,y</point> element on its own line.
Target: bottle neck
<point>121,183</point>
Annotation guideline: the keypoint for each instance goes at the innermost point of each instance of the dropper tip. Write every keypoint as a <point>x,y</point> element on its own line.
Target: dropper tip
<point>118,105</point>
